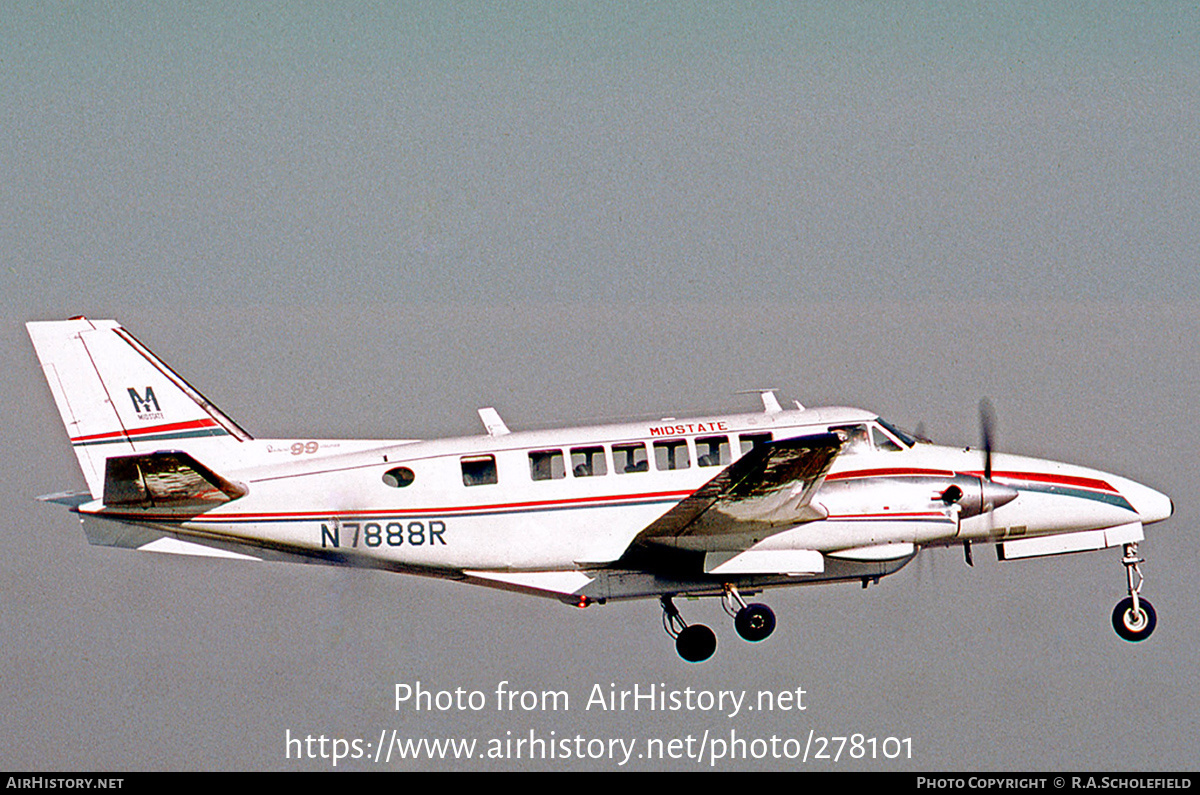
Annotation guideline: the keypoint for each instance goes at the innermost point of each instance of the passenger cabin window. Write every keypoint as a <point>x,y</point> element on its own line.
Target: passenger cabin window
<point>479,470</point>
<point>712,451</point>
<point>587,462</point>
<point>630,457</point>
<point>546,465</point>
<point>671,454</point>
<point>751,440</point>
<point>399,477</point>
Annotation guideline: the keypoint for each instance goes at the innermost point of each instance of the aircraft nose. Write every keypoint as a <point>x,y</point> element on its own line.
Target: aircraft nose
<point>1151,505</point>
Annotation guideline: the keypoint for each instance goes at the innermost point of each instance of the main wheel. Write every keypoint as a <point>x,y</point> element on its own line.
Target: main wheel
<point>754,622</point>
<point>1134,626</point>
<point>696,643</point>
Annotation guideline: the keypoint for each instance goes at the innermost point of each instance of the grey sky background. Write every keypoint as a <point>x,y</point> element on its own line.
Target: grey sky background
<point>368,221</point>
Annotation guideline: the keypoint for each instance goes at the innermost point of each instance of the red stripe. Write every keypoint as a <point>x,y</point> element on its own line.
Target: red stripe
<point>405,512</point>
<point>1036,477</point>
<point>875,473</point>
<point>169,427</point>
<point>896,515</point>
<point>1062,480</point>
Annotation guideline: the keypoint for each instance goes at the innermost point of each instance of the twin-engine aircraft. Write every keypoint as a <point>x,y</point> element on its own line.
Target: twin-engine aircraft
<point>722,506</point>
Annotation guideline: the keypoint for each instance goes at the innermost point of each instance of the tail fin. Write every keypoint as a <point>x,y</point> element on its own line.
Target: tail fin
<point>118,398</point>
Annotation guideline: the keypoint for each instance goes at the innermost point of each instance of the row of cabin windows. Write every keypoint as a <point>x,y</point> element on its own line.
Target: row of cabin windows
<point>627,458</point>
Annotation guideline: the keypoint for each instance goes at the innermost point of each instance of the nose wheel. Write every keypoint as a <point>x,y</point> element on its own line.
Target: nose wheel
<point>1134,617</point>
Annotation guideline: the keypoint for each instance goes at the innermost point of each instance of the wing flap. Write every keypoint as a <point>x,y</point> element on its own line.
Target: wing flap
<point>764,491</point>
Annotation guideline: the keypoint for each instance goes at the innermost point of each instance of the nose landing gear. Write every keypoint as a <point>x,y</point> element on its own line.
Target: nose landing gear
<point>1134,617</point>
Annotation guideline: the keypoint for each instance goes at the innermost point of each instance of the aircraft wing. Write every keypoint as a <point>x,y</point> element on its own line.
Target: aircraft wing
<point>765,491</point>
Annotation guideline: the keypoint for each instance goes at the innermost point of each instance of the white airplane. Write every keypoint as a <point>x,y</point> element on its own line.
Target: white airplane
<point>720,506</point>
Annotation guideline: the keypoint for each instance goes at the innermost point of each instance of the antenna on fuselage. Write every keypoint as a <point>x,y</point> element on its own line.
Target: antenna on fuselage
<point>769,401</point>
<point>492,422</point>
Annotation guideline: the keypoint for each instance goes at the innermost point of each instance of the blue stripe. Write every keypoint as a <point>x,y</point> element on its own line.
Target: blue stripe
<point>1109,498</point>
<point>157,437</point>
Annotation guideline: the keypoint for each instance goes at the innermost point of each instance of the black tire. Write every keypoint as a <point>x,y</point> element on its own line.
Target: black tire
<point>696,643</point>
<point>754,622</point>
<point>1131,626</point>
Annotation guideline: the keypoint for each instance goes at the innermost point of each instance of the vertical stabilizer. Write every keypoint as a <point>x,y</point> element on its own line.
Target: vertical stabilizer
<point>117,398</point>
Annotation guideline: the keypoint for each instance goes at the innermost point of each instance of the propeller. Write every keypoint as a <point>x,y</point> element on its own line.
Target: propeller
<point>975,496</point>
<point>987,424</point>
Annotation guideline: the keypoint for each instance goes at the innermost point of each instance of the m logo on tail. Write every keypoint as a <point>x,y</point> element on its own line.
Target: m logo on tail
<point>144,404</point>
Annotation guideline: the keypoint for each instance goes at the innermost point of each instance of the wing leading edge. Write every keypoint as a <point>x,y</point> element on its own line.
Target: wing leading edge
<point>767,490</point>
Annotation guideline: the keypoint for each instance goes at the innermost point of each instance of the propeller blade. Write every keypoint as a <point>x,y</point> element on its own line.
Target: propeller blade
<point>987,422</point>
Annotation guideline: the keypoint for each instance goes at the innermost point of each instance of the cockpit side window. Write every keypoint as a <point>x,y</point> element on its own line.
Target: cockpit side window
<point>857,439</point>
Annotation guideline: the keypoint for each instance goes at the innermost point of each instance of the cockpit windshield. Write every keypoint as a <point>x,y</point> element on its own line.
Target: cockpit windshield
<point>878,436</point>
<point>907,438</point>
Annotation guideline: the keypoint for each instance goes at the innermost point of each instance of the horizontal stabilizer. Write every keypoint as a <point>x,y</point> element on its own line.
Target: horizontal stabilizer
<point>169,479</point>
<point>71,499</point>
<point>109,533</point>
<point>175,546</point>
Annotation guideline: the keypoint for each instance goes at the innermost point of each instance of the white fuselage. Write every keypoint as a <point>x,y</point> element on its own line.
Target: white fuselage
<point>576,498</point>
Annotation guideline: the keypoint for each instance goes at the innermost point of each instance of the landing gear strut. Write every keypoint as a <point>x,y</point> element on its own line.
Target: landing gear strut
<point>754,622</point>
<point>1134,618</point>
<point>694,642</point>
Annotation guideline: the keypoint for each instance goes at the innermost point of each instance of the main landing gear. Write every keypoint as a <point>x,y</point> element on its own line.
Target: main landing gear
<point>754,622</point>
<point>696,642</point>
<point>1134,618</point>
